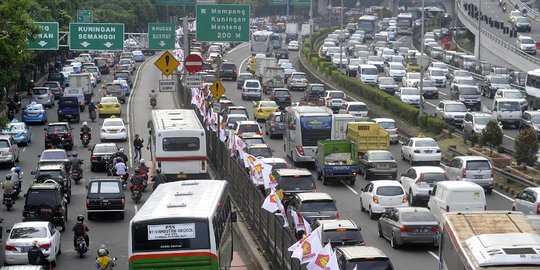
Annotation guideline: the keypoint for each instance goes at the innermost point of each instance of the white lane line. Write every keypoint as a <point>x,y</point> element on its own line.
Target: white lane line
<point>136,208</point>
<point>442,93</point>
<point>504,196</point>
<point>433,254</point>
<point>350,188</point>
<point>431,104</point>
<point>24,149</point>
<point>241,64</point>
<point>510,138</point>
<point>239,47</point>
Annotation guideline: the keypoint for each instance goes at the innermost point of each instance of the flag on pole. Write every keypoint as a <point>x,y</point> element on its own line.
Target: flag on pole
<point>322,258</point>
<point>306,251</point>
<point>298,221</point>
<point>272,202</point>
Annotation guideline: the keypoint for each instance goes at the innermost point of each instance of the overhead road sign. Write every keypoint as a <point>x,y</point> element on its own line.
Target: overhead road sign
<point>193,81</point>
<point>176,2</point>
<point>46,39</point>
<point>276,2</point>
<point>222,23</point>
<point>96,36</point>
<point>85,16</point>
<point>161,36</point>
<point>167,63</point>
<point>193,63</point>
<point>167,85</point>
<point>217,89</point>
<point>300,2</point>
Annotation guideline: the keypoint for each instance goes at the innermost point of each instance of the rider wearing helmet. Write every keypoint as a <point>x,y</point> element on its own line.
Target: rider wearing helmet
<point>121,154</point>
<point>136,180</point>
<point>76,163</point>
<point>86,129</point>
<point>104,262</point>
<point>15,175</point>
<point>8,187</point>
<point>142,167</point>
<point>80,229</point>
<point>36,256</point>
<point>152,94</point>
<point>56,141</point>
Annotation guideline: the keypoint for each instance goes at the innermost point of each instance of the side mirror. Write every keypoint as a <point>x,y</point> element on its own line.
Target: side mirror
<point>45,129</point>
<point>362,189</point>
<point>33,172</point>
<point>25,195</point>
<point>234,217</point>
<point>430,193</point>
<point>86,186</point>
<point>8,230</point>
<point>39,155</point>
<point>517,196</point>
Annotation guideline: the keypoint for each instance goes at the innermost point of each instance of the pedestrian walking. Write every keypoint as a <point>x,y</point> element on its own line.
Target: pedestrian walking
<point>138,144</point>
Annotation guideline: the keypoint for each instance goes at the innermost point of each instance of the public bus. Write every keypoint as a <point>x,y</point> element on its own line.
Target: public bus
<point>367,23</point>
<point>304,126</point>
<point>183,225</point>
<point>262,42</point>
<point>179,144</point>
<point>532,88</point>
<point>405,23</point>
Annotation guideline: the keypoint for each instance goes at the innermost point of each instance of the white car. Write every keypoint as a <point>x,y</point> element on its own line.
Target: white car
<point>421,149</point>
<point>336,59</point>
<point>437,76</point>
<point>396,70</point>
<point>21,237</point>
<point>409,95</point>
<point>113,129</point>
<point>326,45</point>
<point>411,79</point>
<point>443,66</point>
<point>513,94</point>
<point>418,181</point>
<point>527,201</point>
<point>233,118</point>
<point>293,46</point>
<point>381,195</point>
<point>460,73</point>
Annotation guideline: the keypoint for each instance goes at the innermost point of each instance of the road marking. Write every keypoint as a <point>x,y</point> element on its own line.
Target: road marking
<point>431,104</point>
<point>136,208</point>
<point>433,254</point>
<point>350,188</point>
<point>504,196</point>
<point>241,64</point>
<point>254,102</point>
<point>508,137</point>
<point>24,149</point>
<point>442,93</point>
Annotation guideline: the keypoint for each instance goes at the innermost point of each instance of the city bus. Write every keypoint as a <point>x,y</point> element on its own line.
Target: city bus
<point>532,88</point>
<point>262,42</point>
<point>304,126</point>
<point>367,23</point>
<point>405,23</point>
<point>179,144</point>
<point>183,225</point>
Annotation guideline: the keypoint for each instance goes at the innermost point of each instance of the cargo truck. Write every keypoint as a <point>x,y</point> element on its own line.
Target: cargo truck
<point>272,77</point>
<point>336,159</point>
<point>291,32</point>
<point>488,240</point>
<point>368,136</point>
<point>83,82</point>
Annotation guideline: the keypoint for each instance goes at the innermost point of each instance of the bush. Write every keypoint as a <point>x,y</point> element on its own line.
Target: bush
<point>492,136</point>
<point>526,147</point>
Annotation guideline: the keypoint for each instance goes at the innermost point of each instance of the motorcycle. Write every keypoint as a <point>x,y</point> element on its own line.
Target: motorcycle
<point>81,247</point>
<point>92,115</point>
<point>11,115</point>
<point>504,8</point>
<point>17,189</point>
<point>123,178</point>
<point>136,193</point>
<point>85,139</point>
<point>153,102</point>
<point>75,176</point>
<point>8,201</point>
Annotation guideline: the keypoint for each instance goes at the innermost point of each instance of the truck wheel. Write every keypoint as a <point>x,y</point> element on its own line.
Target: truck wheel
<point>324,180</point>
<point>352,180</point>
<point>318,175</point>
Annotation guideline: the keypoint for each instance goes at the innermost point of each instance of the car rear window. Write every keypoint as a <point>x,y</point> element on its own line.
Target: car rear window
<point>337,95</point>
<point>181,144</point>
<point>68,102</point>
<point>28,233</point>
<point>343,236</point>
<point>425,143</point>
<point>252,84</point>
<point>281,93</point>
<point>249,128</point>
<point>389,191</point>
<point>4,144</point>
<point>109,187</point>
<point>469,91</point>
<point>225,66</point>
<point>317,206</point>
<point>299,183</point>
<point>51,85</point>
<point>478,165</point>
<point>104,149</point>
<point>59,128</point>
<point>250,141</point>
<point>433,177</point>
<point>261,152</point>
<point>410,216</point>
<point>53,155</point>
<point>237,111</point>
<point>387,125</point>
<point>370,264</point>
<point>39,91</point>
<point>41,197</point>
<point>358,108</point>
<point>114,88</point>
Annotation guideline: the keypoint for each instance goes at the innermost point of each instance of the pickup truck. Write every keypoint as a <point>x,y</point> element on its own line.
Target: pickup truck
<point>368,136</point>
<point>69,109</point>
<point>337,159</point>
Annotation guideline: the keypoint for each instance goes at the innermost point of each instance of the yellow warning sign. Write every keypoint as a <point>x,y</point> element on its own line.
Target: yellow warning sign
<point>217,89</point>
<point>167,63</point>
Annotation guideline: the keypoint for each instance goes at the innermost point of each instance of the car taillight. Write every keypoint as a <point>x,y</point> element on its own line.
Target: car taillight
<point>404,200</point>
<point>103,130</point>
<point>448,208</point>
<point>159,164</point>
<point>435,229</point>
<point>69,135</point>
<point>10,248</point>
<point>203,165</point>
<point>101,106</point>
<point>258,133</point>
<point>45,246</point>
<point>94,158</point>
<point>438,150</point>
<point>337,215</point>
<point>46,136</point>
<point>328,98</point>
<point>463,173</point>
<point>375,199</point>
<point>123,130</point>
<point>123,202</point>
<point>236,133</point>
<point>369,113</point>
<point>117,105</point>
<point>300,150</point>
<point>492,173</point>
<point>277,109</point>
<point>259,110</point>
<point>538,208</point>
<point>405,229</point>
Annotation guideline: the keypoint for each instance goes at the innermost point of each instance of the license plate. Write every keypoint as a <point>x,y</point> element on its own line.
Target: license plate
<point>428,151</point>
<point>383,166</point>
<point>112,131</point>
<point>422,230</point>
<point>181,176</point>
<point>478,177</point>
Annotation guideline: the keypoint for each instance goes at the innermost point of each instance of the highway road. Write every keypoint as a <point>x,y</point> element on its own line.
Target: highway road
<point>409,258</point>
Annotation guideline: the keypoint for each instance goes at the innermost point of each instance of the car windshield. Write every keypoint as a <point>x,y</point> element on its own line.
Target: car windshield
<point>317,206</point>
<point>380,156</point>
<point>252,84</point>
<point>499,80</point>
<point>41,197</point>
<point>469,91</point>
<point>51,155</point>
<point>388,125</point>
<point>261,152</point>
<point>425,143</point>
<point>513,94</point>
<point>249,128</point>
<point>105,149</point>
<point>28,233</point>
<point>296,183</point>
<point>484,120</point>
<point>422,216</point>
<point>456,108</point>
<point>527,41</point>
<point>410,92</point>
<point>389,191</point>
<point>438,73</point>
<point>113,123</point>
<point>387,81</point>
<point>433,177</point>
<point>39,91</point>
<point>509,106</point>
<point>369,71</point>
<point>478,165</point>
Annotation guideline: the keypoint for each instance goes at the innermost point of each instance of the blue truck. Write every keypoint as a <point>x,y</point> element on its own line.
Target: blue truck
<point>337,160</point>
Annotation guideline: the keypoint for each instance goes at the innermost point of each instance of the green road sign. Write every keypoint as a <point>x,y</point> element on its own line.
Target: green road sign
<point>276,2</point>
<point>85,16</point>
<point>46,39</point>
<point>300,2</point>
<point>222,23</point>
<point>176,2</point>
<point>161,36</point>
<point>96,36</point>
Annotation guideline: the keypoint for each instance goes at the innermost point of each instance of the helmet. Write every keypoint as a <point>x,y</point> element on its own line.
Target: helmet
<point>31,81</point>
<point>8,177</point>
<point>153,91</point>
<point>102,252</point>
<point>141,161</point>
<point>80,218</point>
<point>12,169</point>
<point>18,169</point>
<point>119,159</point>
<point>84,124</point>
<point>35,243</point>
<point>121,150</point>
<point>158,170</point>
<point>137,170</point>
<point>56,133</point>
<point>74,153</point>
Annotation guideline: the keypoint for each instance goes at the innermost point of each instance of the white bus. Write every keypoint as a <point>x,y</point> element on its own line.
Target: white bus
<point>304,126</point>
<point>183,225</point>
<point>405,23</point>
<point>262,42</point>
<point>532,88</point>
<point>179,144</point>
<point>367,23</point>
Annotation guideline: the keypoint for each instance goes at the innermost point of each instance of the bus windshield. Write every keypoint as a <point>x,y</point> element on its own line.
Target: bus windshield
<point>315,128</point>
<point>171,234</point>
<point>260,38</point>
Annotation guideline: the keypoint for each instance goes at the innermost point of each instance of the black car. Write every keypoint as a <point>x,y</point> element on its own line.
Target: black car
<point>282,97</point>
<point>56,172</point>
<point>102,65</point>
<point>101,155</point>
<point>228,70</point>
<point>57,77</point>
<point>313,206</point>
<point>530,119</point>
<point>64,131</point>
<point>105,195</point>
<point>281,54</point>
<point>45,202</point>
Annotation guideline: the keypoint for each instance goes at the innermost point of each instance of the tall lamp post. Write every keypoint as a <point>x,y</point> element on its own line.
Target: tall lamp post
<point>329,7</point>
<point>341,39</point>
<point>420,63</point>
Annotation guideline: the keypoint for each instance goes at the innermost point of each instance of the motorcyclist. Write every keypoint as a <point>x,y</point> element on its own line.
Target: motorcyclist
<point>36,256</point>
<point>104,262</point>
<point>76,163</point>
<point>159,178</point>
<point>8,187</point>
<point>80,229</point>
<point>136,180</point>
<point>86,129</point>
<point>142,167</point>
<point>15,175</point>
<point>12,105</point>
<point>17,99</point>
<point>92,109</point>
<point>120,167</point>
<point>56,141</point>
<point>30,87</point>
<point>121,154</point>
<point>152,94</point>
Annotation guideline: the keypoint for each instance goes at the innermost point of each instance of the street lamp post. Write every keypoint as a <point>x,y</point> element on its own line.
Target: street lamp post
<point>329,13</point>
<point>420,62</point>
<point>479,31</point>
<point>341,39</point>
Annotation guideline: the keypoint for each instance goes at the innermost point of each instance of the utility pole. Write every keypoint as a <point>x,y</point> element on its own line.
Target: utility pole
<point>420,62</point>
<point>479,31</point>
<point>341,39</point>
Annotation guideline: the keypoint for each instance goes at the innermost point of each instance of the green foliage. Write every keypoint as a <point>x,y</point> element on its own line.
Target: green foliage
<point>492,135</point>
<point>526,147</point>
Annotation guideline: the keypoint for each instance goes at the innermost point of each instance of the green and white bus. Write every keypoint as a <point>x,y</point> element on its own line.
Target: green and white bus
<point>183,225</point>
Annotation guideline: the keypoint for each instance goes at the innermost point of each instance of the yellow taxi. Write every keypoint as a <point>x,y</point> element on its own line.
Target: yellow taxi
<point>109,106</point>
<point>264,108</point>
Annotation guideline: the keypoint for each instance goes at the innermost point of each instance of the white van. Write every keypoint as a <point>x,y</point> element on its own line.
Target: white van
<point>368,74</point>
<point>456,196</point>
<point>507,111</point>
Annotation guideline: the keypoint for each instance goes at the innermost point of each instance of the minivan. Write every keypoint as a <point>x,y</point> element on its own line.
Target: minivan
<point>474,169</point>
<point>456,196</point>
<point>368,74</point>
<point>43,96</point>
<point>507,111</point>
<point>468,94</point>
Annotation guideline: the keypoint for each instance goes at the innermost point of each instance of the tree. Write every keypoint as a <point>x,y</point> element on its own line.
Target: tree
<point>492,135</point>
<point>526,147</point>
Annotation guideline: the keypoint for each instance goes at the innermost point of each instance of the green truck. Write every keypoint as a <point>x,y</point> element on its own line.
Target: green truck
<point>336,160</point>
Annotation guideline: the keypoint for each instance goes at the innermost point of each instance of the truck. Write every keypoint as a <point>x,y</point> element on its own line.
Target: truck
<point>261,62</point>
<point>306,30</point>
<point>291,32</point>
<point>488,240</point>
<point>339,125</point>
<point>273,77</point>
<point>368,136</point>
<point>83,82</point>
<point>336,159</point>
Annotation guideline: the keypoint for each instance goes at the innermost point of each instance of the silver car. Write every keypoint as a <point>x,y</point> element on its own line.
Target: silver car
<point>275,124</point>
<point>43,96</point>
<point>252,89</point>
<point>9,151</point>
<point>527,201</point>
<point>474,169</point>
<point>408,225</point>
<point>451,111</point>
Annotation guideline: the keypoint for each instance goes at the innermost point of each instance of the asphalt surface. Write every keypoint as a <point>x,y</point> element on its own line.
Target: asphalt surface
<point>347,197</point>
